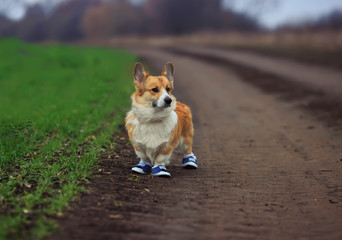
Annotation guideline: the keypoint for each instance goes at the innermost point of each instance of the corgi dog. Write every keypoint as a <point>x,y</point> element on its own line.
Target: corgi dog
<point>157,124</point>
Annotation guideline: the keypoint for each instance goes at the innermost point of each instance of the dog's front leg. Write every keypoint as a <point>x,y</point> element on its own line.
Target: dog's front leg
<point>144,166</point>
<point>162,159</point>
<point>159,168</point>
<point>141,155</point>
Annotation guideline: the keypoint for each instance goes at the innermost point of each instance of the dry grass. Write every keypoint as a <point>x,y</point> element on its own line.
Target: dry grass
<point>326,40</point>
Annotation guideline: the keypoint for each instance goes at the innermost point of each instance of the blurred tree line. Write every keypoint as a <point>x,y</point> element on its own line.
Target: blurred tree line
<point>93,19</point>
<point>331,21</point>
<point>63,24</point>
<point>98,19</point>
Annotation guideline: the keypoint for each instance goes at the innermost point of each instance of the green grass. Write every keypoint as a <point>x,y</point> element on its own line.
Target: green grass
<point>59,106</point>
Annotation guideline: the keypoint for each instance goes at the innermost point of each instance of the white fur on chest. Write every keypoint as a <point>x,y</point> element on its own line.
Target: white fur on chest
<point>150,137</point>
<point>154,134</point>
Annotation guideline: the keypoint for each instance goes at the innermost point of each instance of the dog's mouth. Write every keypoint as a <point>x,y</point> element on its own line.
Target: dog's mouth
<point>154,104</point>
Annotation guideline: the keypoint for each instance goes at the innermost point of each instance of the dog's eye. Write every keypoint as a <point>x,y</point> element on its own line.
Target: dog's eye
<point>167,89</point>
<point>155,89</point>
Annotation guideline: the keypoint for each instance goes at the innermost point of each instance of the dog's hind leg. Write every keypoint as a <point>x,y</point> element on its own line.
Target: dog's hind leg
<point>187,145</point>
<point>189,160</point>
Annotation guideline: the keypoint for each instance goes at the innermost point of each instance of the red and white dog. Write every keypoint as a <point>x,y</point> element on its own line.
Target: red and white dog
<point>157,124</point>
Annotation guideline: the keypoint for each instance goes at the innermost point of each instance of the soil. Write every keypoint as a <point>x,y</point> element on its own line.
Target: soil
<point>320,104</point>
<point>267,168</point>
<point>317,77</point>
<point>309,55</point>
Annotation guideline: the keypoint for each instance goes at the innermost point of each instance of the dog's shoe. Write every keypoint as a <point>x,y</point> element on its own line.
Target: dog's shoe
<point>142,167</point>
<point>160,171</point>
<point>189,162</point>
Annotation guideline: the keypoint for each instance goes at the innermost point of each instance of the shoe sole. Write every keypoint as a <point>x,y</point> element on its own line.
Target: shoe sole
<point>162,174</point>
<point>189,165</point>
<point>138,170</point>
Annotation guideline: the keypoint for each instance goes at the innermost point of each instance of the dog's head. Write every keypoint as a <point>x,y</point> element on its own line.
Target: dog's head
<point>154,92</point>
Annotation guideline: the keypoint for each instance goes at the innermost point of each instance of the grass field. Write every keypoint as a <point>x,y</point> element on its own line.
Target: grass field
<point>59,106</point>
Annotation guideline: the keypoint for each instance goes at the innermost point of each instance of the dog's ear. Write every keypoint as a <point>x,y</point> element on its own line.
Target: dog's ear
<point>168,71</point>
<point>140,74</point>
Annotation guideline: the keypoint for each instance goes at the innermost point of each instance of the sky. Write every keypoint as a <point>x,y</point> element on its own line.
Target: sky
<point>15,9</point>
<point>270,15</point>
<point>285,11</point>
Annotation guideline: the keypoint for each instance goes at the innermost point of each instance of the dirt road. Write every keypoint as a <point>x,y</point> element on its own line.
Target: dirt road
<point>313,76</point>
<point>267,170</point>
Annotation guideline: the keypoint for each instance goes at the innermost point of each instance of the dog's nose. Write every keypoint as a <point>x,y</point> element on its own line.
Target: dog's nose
<point>168,100</point>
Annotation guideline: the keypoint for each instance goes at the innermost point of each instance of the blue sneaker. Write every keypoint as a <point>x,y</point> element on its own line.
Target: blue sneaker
<point>142,167</point>
<point>189,162</point>
<point>160,171</point>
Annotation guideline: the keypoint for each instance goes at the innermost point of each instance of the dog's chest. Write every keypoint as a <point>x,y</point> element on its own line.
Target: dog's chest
<point>148,136</point>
